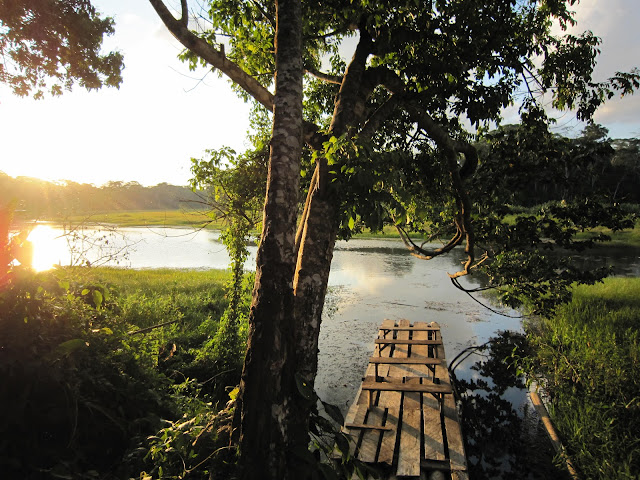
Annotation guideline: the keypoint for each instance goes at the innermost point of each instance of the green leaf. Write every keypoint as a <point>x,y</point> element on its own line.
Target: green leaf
<point>352,223</point>
<point>97,297</point>
<point>233,394</point>
<point>304,388</point>
<point>327,472</point>
<point>342,442</point>
<point>334,412</point>
<point>70,346</point>
<point>85,291</point>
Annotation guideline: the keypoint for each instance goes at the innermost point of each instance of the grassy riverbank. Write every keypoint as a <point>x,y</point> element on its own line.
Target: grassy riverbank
<point>588,359</point>
<point>91,360</point>
<point>144,218</point>
<point>199,218</point>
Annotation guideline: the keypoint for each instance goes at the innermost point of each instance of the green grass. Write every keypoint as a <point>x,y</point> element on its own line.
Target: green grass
<point>589,358</point>
<point>91,387</point>
<point>630,238</point>
<point>169,218</point>
<point>150,297</point>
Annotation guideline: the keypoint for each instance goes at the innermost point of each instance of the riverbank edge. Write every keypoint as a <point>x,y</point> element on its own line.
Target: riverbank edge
<point>628,239</point>
<point>586,358</point>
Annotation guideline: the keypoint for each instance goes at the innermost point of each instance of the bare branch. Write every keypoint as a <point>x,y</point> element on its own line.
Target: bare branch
<point>212,56</point>
<point>419,252</point>
<point>324,76</point>
<point>185,13</point>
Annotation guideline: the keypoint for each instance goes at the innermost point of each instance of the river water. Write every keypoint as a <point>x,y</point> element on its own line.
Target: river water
<point>371,280</point>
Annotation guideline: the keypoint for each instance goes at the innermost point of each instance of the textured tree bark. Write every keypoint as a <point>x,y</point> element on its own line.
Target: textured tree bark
<point>267,389</point>
<point>318,230</point>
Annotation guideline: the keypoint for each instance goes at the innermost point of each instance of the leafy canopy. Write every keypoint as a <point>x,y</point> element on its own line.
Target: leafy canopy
<point>49,45</point>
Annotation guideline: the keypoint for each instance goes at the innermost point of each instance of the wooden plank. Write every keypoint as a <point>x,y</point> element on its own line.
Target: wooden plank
<point>455,442</point>
<point>409,455</point>
<point>424,327</point>
<point>388,444</point>
<point>371,438</point>
<point>429,387</point>
<point>364,426</point>
<point>432,429</point>
<point>391,341</point>
<point>454,438</point>
<point>383,370</point>
<point>431,420</point>
<point>420,353</point>
<point>360,413</point>
<point>405,361</point>
<point>392,399</point>
<point>400,350</point>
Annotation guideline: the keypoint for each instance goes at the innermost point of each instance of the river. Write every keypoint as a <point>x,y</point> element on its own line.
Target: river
<point>370,280</point>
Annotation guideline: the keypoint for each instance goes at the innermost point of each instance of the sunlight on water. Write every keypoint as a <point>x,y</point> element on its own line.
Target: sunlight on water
<point>49,248</point>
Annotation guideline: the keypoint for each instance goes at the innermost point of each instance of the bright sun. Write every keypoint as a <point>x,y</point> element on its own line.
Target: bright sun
<point>48,247</point>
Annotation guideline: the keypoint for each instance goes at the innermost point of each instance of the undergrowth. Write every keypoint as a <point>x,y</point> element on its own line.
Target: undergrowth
<point>100,368</point>
<point>588,360</point>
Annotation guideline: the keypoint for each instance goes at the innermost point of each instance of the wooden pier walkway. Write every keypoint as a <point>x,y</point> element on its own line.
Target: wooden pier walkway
<point>404,419</point>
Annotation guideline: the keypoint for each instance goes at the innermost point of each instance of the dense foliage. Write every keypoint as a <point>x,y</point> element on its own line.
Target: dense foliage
<point>88,377</point>
<point>48,46</point>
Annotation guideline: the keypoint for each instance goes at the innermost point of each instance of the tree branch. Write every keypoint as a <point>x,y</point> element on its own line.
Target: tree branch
<point>349,105</point>
<point>212,56</point>
<point>419,252</point>
<point>324,76</point>
<point>264,13</point>
<point>375,121</point>
<point>185,13</point>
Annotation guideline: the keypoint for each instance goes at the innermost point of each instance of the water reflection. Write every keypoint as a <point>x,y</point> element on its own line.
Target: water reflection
<point>49,248</point>
<point>372,280</point>
<point>503,435</point>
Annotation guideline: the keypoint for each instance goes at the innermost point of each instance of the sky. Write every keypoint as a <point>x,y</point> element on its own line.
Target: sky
<point>163,114</point>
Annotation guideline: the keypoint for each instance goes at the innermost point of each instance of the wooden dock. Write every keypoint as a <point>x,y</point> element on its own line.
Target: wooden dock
<point>404,419</point>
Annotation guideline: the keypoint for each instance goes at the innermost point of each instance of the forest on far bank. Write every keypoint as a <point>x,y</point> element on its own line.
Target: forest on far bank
<point>43,200</point>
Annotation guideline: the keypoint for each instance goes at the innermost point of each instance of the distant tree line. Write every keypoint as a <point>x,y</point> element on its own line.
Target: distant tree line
<point>35,198</point>
<point>525,166</point>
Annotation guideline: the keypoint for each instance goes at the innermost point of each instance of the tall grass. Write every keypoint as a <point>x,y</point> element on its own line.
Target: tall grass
<point>137,218</point>
<point>588,356</point>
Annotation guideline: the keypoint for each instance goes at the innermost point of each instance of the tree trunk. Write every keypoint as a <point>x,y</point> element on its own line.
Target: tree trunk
<point>267,388</point>
<point>318,237</point>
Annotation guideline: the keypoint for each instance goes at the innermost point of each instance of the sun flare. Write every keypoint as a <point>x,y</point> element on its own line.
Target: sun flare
<point>48,247</point>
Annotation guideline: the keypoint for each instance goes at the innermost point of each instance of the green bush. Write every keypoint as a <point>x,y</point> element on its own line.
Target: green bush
<point>88,379</point>
<point>73,390</point>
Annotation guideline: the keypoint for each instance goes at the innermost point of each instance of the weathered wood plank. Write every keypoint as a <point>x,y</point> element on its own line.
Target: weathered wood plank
<point>432,429</point>
<point>391,401</point>
<point>371,438</point>
<point>455,442</point>
<point>400,350</point>
<point>392,341</point>
<point>359,414</point>
<point>410,434</point>
<point>382,370</point>
<point>415,327</point>
<point>428,387</point>
<point>431,422</point>
<point>407,361</point>
<point>388,445</point>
